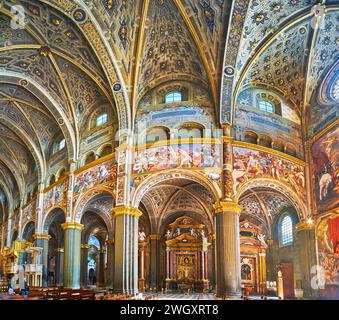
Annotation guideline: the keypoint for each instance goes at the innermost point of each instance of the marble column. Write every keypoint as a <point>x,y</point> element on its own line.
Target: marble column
<point>84,264</point>
<point>72,240</point>
<point>228,249</point>
<point>262,274</point>
<point>212,270</point>
<point>101,275</point>
<point>59,266</point>
<point>125,277</point>
<point>41,241</point>
<point>142,265</point>
<point>110,262</point>
<point>307,255</point>
<point>154,274</point>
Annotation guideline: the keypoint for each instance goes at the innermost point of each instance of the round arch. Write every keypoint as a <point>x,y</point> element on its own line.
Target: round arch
<point>157,178</point>
<point>277,186</point>
<point>48,218</point>
<point>88,196</point>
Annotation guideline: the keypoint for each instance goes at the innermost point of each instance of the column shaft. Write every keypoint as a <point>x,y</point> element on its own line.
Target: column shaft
<point>154,275</point>
<point>126,250</point>
<point>228,249</point>
<point>84,265</point>
<point>307,256</point>
<point>72,239</point>
<point>59,267</point>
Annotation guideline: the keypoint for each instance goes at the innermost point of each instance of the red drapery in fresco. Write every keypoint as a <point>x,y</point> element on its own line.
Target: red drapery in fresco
<point>333,233</point>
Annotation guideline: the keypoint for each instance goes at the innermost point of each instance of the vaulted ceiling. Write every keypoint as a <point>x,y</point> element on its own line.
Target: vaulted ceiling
<point>70,57</point>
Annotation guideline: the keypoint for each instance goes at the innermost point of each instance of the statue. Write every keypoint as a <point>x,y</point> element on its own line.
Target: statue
<point>168,234</point>
<point>193,234</point>
<point>142,236</point>
<point>261,238</point>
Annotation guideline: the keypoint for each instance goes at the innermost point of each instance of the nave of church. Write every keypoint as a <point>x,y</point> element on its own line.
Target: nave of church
<point>169,148</point>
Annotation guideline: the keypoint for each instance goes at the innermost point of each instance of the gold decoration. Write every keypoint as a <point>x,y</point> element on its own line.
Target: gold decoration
<point>155,236</point>
<point>120,210</point>
<point>41,236</point>
<point>224,206</point>
<point>72,225</point>
<point>305,224</point>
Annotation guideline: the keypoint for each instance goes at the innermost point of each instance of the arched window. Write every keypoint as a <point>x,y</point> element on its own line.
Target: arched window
<point>173,97</point>
<point>266,106</point>
<point>89,158</point>
<point>106,151</point>
<point>62,173</point>
<point>52,180</point>
<point>58,146</point>
<point>286,231</point>
<point>101,119</point>
<point>335,89</point>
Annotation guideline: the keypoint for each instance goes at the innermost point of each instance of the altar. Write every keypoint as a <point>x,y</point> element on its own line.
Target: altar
<point>186,255</point>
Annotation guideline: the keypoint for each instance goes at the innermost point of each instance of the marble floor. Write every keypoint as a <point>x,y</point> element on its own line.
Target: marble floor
<point>193,296</point>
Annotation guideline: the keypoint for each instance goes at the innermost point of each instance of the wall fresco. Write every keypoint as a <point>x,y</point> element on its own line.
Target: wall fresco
<point>177,156</point>
<point>250,164</point>
<point>103,173</point>
<point>325,156</point>
<point>56,196</point>
<point>328,249</point>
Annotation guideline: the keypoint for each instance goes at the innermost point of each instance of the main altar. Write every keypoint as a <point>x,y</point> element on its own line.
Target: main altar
<point>186,255</point>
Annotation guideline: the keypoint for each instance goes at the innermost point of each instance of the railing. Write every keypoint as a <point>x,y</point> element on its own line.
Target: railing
<point>31,268</point>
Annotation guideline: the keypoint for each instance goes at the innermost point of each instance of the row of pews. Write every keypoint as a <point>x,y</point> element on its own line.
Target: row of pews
<point>59,293</point>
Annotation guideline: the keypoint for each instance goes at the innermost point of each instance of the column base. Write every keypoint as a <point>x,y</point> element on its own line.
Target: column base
<point>230,295</point>
<point>126,291</point>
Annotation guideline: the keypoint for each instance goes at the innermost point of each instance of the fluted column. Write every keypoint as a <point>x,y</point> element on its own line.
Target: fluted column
<point>262,273</point>
<point>227,248</point>
<point>126,249</point>
<point>110,262</point>
<point>306,234</point>
<point>154,274</point>
<point>59,266</point>
<point>72,240</point>
<point>41,241</point>
<point>84,264</point>
<point>212,273</point>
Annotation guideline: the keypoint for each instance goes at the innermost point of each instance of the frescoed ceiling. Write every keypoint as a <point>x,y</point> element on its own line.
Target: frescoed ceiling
<point>285,46</point>
<point>262,207</point>
<point>70,57</point>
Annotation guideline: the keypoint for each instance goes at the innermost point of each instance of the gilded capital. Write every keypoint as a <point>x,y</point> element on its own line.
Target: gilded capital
<point>72,225</point>
<point>155,236</point>
<point>84,246</point>
<point>41,236</point>
<point>305,224</point>
<point>120,210</point>
<point>225,206</point>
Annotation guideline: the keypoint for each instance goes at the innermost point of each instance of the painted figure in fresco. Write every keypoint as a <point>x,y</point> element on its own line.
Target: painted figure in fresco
<point>184,158</point>
<point>324,183</point>
<point>102,174</point>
